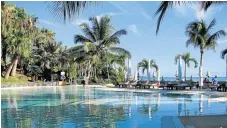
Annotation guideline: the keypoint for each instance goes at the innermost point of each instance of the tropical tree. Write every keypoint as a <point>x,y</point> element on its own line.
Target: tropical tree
<point>187,59</point>
<point>165,5</point>
<point>199,34</point>
<point>97,41</point>
<point>223,56</point>
<point>18,43</point>
<point>144,65</point>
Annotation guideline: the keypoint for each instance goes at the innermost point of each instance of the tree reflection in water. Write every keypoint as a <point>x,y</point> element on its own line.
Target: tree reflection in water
<point>90,107</point>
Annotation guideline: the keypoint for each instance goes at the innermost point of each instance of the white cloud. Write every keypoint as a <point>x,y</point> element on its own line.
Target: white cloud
<point>48,23</point>
<point>122,9</point>
<point>222,41</point>
<point>143,12</point>
<point>133,28</point>
<point>187,10</point>
<point>126,9</point>
<point>180,9</point>
<point>146,15</point>
<point>78,22</point>
<point>109,14</point>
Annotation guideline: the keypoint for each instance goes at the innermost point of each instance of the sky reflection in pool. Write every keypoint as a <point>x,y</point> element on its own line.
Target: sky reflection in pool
<point>72,106</point>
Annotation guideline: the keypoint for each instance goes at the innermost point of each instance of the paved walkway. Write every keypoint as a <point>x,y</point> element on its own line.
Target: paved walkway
<point>211,121</point>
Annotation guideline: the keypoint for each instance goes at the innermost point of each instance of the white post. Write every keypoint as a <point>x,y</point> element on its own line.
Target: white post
<point>149,70</point>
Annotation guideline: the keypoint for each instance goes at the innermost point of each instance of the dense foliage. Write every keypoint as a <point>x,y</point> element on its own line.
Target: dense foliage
<point>34,52</point>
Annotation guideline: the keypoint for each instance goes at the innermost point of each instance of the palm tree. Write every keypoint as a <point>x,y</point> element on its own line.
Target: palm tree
<point>187,59</point>
<point>144,64</point>
<point>98,40</point>
<point>199,34</point>
<point>165,5</point>
<point>19,41</point>
<point>223,54</point>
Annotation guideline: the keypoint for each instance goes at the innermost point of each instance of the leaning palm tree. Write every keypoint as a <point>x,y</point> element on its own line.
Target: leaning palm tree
<point>199,34</point>
<point>187,59</point>
<point>223,56</point>
<point>144,65</point>
<point>165,5</point>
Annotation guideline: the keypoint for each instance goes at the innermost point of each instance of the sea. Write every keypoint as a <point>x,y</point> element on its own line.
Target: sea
<point>188,78</point>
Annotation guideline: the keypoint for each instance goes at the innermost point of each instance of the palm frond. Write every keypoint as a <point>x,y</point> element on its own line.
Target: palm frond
<point>81,39</point>
<point>67,10</point>
<point>176,58</point>
<point>212,23</point>
<point>223,53</point>
<point>87,31</point>
<point>162,10</point>
<point>121,51</point>
<point>207,4</point>
<point>194,61</point>
<point>217,35</point>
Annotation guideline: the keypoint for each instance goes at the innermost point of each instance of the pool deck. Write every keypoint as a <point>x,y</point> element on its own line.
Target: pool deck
<point>211,121</point>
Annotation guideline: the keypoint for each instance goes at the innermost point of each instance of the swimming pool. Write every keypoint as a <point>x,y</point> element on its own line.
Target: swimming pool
<point>73,106</point>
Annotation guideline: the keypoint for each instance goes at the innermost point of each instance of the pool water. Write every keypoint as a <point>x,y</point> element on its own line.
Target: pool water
<point>78,107</point>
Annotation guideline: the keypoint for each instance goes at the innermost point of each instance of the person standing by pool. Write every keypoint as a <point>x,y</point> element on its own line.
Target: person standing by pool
<point>215,81</point>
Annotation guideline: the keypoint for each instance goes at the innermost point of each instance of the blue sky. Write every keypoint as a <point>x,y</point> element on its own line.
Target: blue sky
<point>141,41</point>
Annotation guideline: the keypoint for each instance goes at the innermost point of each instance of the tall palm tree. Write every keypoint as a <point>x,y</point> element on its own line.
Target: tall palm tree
<point>98,40</point>
<point>165,5</point>
<point>223,56</point>
<point>187,59</point>
<point>144,64</point>
<point>199,34</point>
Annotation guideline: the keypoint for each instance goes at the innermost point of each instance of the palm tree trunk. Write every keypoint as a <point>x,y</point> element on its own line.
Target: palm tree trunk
<point>87,76</point>
<point>185,66</point>
<point>148,75</point>
<point>108,74</point>
<point>13,73</point>
<point>201,69</point>
<point>9,69</point>
<point>226,65</point>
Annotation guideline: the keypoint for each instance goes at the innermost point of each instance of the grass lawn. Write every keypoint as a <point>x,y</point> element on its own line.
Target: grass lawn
<point>15,79</point>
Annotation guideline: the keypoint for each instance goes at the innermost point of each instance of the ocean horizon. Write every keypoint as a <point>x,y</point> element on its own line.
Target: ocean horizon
<point>188,78</point>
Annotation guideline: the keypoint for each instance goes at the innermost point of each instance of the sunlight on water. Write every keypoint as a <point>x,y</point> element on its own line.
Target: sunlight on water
<point>74,106</point>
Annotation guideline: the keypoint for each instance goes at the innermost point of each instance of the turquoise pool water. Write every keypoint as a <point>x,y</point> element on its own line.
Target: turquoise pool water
<point>72,106</point>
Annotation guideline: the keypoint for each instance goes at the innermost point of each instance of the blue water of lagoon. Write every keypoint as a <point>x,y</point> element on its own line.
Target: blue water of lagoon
<point>78,107</point>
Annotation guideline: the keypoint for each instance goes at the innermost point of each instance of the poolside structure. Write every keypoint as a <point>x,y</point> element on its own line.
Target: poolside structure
<point>180,69</point>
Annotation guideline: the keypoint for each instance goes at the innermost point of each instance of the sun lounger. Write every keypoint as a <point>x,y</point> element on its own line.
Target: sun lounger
<point>153,84</point>
<point>123,85</point>
<point>163,85</point>
<point>133,83</point>
<point>183,86</point>
<point>147,85</point>
<point>140,84</point>
<point>222,87</point>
